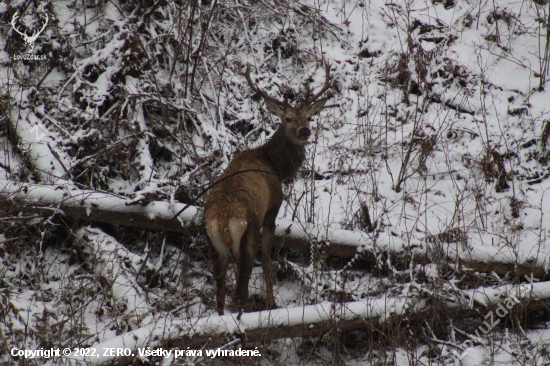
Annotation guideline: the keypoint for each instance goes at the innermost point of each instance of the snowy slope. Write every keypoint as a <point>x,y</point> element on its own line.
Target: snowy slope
<point>436,143</point>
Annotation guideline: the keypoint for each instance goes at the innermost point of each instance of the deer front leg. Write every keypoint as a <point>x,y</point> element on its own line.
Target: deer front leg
<point>267,241</point>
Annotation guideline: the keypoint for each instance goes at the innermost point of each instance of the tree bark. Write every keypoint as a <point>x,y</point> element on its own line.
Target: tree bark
<point>159,215</point>
<point>209,333</point>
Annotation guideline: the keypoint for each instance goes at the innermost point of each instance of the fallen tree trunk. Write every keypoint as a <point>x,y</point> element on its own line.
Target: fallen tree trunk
<point>159,215</point>
<point>208,333</point>
<point>94,206</point>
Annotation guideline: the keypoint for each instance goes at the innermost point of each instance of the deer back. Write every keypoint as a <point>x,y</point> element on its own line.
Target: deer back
<point>239,196</point>
<point>251,184</point>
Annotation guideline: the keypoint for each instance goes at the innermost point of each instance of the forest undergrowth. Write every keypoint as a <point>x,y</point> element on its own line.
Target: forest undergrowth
<point>433,159</point>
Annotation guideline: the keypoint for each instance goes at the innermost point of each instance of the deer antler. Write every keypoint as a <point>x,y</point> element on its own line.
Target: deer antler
<point>255,88</point>
<point>13,21</point>
<point>36,34</point>
<point>25,35</point>
<point>308,91</point>
<point>328,83</point>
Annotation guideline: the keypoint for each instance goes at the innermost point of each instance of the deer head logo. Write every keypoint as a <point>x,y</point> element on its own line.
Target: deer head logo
<point>29,40</point>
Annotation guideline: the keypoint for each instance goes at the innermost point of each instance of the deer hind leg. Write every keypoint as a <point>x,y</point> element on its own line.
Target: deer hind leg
<point>245,262</point>
<point>220,256</point>
<point>224,238</point>
<point>267,241</point>
<point>220,275</point>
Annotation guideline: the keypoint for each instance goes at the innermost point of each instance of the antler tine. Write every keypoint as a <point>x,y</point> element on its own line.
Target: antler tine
<point>13,21</point>
<point>37,33</point>
<point>328,84</point>
<point>14,17</point>
<point>308,91</point>
<point>255,88</point>
<point>45,24</point>
<point>246,75</point>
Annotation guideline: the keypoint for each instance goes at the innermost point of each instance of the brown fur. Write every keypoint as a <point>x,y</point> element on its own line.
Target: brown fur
<point>238,206</point>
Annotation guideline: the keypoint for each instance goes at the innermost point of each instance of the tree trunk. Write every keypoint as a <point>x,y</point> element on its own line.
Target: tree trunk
<point>159,215</point>
<point>209,333</point>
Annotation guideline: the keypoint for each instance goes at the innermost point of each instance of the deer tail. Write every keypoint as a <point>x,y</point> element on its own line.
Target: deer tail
<point>226,234</point>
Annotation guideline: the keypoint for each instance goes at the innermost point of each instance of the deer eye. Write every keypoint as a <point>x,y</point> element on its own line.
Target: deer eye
<point>288,119</point>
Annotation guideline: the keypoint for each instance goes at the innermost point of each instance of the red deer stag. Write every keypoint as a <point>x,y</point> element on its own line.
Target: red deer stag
<point>247,196</point>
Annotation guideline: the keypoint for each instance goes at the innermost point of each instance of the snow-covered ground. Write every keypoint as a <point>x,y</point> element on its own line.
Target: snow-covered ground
<point>436,145</point>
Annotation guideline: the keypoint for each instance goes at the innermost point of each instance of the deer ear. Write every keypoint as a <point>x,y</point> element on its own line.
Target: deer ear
<point>317,107</point>
<point>275,109</point>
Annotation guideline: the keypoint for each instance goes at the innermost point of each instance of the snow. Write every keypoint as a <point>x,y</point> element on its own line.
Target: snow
<point>314,315</point>
<point>228,324</point>
<point>68,196</point>
<point>115,123</point>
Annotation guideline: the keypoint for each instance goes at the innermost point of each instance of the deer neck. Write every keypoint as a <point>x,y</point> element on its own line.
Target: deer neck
<point>284,156</point>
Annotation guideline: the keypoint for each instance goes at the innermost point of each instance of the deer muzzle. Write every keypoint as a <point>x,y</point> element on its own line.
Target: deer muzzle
<point>304,133</point>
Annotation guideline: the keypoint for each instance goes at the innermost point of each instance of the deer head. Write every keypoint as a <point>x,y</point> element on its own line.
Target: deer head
<point>295,120</point>
<point>29,40</point>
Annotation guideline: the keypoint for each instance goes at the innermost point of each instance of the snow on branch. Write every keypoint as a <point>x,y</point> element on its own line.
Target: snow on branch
<point>158,215</point>
<point>94,206</point>
<point>37,139</point>
<point>119,264</point>
<point>262,326</point>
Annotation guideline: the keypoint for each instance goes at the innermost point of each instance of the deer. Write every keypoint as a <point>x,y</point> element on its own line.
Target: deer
<point>29,40</point>
<point>248,194</point>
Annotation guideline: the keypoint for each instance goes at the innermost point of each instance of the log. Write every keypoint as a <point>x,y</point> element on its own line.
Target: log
<point>94,206</point>
<point>208,333</point>
<point>109,208</point>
